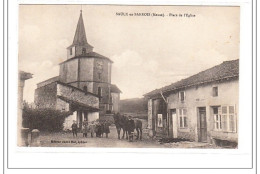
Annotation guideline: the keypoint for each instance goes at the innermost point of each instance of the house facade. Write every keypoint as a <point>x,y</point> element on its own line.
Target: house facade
<point>86,78</point>
<point>202,108</point>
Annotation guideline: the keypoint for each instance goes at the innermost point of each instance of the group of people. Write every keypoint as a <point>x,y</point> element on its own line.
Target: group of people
<point>98,127</point>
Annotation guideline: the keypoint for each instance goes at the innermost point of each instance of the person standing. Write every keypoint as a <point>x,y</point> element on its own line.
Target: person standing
<point>74,127</point>
<point>106,128</point>
<point>101,128</point>
<point>85,128</point>
<point>92,128</point>
<point>98,129</point>
<point>131,128</point>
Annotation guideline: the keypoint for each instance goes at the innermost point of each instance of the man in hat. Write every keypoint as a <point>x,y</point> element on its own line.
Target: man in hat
<point>74,127</point>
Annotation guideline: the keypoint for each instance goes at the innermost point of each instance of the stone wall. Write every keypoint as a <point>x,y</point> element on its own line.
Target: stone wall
<point>45,96</point>
<point>69,71</point>
<point>62,105</point>
<point>77,95</point>
<point>86,69</point>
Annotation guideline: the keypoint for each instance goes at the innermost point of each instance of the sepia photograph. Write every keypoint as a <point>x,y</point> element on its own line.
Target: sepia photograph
<point>128,76</point>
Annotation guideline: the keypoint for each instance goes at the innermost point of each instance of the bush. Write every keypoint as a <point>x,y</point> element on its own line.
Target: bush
<point>44,119</point>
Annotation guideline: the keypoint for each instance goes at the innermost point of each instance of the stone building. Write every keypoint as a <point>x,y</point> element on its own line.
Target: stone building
<point>203,107</point>
<point>84,82</point>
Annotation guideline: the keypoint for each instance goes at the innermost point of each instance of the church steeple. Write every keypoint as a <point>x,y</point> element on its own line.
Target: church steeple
<point>80,45</point>
<point>80,35</point>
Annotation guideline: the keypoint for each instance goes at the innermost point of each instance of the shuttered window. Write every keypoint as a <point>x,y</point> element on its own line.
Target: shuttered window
<point>225,118</point>
<point>183,121</point>
<point>217,118</point>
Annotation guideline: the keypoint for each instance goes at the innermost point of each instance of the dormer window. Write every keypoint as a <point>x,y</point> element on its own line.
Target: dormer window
<point>83,50</point>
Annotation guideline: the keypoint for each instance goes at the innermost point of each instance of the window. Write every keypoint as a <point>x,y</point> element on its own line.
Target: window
<point>215,91</point>
<point>225,118</point>
<point>99,76</point>
<point>70,51</point>
<point>182,96</point>
<point>85,89</point>
<point>83,50</point>
<point>99,91</point>
<point>217,118</point>
<point>183,118</point>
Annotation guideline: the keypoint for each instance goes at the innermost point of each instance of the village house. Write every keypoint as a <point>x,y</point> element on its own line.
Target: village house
<point>202,107</point>
<point>83,86</point>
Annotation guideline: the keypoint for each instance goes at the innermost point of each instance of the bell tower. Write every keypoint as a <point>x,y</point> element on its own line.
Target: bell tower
<point>86,69</point>
<point>80,45</point>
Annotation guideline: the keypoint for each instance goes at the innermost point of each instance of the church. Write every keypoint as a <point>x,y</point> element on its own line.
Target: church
<point>83,86</point>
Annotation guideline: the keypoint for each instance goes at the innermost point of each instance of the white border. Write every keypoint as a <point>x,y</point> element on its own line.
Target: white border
<point>121,157</point>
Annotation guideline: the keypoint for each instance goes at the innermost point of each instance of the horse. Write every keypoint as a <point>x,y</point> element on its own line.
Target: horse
<point>122,122</point>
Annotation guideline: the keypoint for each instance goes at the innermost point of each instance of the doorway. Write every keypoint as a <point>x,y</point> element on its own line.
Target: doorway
<point>202,125</point>
<point>173,124</point>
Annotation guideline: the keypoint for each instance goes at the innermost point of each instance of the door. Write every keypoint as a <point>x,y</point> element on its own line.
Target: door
<point>175,124</point>
<point>202,125</point>
<point>170,124</point>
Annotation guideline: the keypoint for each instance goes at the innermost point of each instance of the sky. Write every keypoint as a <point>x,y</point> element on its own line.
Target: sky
<point>148,52</point>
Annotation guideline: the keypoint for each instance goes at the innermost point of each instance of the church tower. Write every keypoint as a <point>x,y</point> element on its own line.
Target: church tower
<point>86,69</point>
<point>80,44</point>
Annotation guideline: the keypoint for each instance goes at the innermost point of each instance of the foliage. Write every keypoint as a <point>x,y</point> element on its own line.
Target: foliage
<point>135,105</point>
<point>44,119</point>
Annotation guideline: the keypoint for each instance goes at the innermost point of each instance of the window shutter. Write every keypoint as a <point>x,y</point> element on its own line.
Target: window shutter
<point>232,119</point>
<point>185,121</point>
<point>224,118</point>
<point>224,122</point>
<point>215,121</point>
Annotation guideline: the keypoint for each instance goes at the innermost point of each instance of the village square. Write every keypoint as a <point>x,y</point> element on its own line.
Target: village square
<point>81,107</point>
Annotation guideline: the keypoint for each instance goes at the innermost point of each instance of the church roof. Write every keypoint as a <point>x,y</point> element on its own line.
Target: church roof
<point>115,89</point>
<point>80,35</point>
<point>89,55</point>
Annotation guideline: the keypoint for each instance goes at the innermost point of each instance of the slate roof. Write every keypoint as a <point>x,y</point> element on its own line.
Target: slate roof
<point>78,104</point>
<point>89,55</point>
<point>226,70</point>
<point>115,89</point>
<point>80,35</point>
